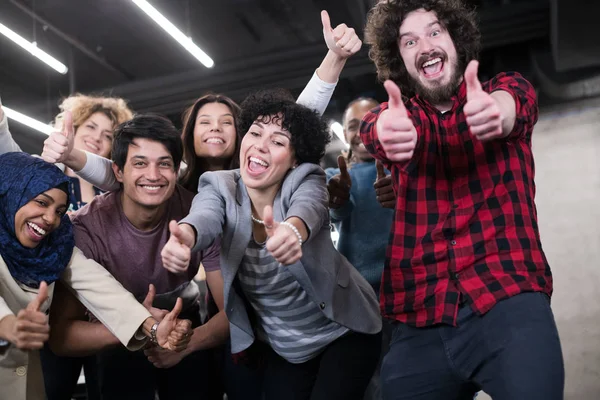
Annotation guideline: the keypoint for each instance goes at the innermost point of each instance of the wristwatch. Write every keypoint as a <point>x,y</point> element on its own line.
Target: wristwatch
<point>153,333</point>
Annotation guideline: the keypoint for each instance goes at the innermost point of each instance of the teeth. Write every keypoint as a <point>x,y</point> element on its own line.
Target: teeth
<point>36,228</point>
<point>215,140</point>
<point>151,187</point>
<point>431,62</point>
<point>92,146</point>
<point>259,161</point>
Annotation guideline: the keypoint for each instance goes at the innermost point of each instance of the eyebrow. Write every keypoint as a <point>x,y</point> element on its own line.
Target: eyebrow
<point>139,157</point>
<point>222,115</point>
<point>51,199</point>
<point>48,197</point>
<point>429,25</point>
<point>260,125</point>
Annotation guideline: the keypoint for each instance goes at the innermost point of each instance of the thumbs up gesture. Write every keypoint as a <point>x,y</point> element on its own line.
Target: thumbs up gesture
<point>482,112</point>
<point>283,242</point>
<point>156,313</point>
<point>172,333</point>
<point>29,330</point>
<point>342,40</point>
<point>339,186</point>
<point>384,189</point>
<point>59,144</point>
<point>395,129</point>
<point>177,253</point>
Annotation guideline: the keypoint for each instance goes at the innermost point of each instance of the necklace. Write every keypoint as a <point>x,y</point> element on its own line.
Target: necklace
<point>258,221</point>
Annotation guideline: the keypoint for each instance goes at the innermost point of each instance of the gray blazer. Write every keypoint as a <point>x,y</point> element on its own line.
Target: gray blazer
<point>222,207</point>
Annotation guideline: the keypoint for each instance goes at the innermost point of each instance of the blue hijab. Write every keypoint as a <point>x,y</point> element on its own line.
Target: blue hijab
<point>23,177</point>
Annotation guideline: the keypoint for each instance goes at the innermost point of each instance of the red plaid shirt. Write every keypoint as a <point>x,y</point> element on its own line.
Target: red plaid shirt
<point>465,226</point>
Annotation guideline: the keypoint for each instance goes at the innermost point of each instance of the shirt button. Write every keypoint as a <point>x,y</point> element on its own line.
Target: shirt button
<point>322,306</point>
<point>453,242</point>
<point>21,371</point>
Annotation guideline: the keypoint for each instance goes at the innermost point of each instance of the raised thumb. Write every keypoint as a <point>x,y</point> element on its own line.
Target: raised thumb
<point>172,316</point>
<point>149,300</point>
<point>325,20</point>
<point>394,96</point>
<point>471,80</point>
<point>41,297</point>
<point>268,218</point>
<point>380,170</point>
<point>68,130</point>
<point>341,160</point>
<point>176,231</point>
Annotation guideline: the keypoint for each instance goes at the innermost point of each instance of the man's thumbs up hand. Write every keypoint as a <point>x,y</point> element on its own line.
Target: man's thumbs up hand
<point>395,129</point>
<point>384,189</point>
<point>482,112</point>
<point>339,186</point>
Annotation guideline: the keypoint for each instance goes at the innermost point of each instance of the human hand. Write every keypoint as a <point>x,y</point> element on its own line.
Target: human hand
<point>395,129</point>
<point>342,40</point>
<point>162,358</point>
<point>177,252</point>
<point>29,330</point>
<point>482,111</point>
<point>172,333</point>
<point>339,185</point>
<point>59,144</point>
<point>282,242</point>
<point>383,187</point>
<point>157,313</point>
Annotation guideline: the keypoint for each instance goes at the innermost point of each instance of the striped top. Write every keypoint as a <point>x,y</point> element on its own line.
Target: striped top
<point>288,320</point>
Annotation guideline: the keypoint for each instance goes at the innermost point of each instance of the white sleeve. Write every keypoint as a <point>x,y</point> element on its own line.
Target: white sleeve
<point>7,143</point>
<point>98,171</point>
<point>316,94</point>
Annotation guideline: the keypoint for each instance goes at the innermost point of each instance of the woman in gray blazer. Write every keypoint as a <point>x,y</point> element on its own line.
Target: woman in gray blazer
<point>287,290</point>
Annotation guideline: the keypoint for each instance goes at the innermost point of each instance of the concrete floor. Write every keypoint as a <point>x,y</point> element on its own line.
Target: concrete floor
<point>566,145</point>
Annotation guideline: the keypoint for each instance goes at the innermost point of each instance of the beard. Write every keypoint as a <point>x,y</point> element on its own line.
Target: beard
<point>440,93</point>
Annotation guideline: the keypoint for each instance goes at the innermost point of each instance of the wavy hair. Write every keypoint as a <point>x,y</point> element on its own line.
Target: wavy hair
<point>83,106</point>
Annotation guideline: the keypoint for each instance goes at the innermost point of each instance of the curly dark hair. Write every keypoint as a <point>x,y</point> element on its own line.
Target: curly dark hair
<point>383,29</point>
<point>309,133</point>
<point>189,178</point>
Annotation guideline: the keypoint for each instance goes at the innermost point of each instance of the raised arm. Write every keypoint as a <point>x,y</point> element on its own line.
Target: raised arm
<point>7,143</point>
<point>59,148</point>
<point>342,43</point>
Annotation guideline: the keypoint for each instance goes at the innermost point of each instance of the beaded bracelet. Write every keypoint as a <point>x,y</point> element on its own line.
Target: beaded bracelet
<point>293,228</point>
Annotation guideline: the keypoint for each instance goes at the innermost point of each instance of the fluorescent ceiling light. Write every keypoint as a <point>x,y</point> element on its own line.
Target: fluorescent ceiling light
<point>172,30</point>
<point>338,130</point>
<point>33,49</point>
<point>25,120</point>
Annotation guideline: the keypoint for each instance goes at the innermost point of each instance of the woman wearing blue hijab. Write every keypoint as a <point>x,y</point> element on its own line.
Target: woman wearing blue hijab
<point>36,249</point>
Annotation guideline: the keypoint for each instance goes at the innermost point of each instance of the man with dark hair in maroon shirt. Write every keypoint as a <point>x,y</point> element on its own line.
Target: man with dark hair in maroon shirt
<point>466,281</point>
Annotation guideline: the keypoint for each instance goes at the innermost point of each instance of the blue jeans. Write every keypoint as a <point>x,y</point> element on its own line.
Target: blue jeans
<point>512,353</point>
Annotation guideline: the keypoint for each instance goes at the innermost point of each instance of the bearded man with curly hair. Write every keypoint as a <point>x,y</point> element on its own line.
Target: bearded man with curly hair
<point>466,282</point>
